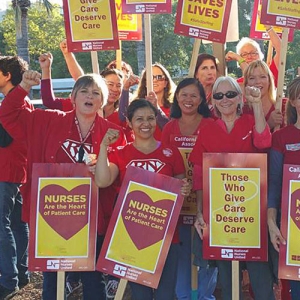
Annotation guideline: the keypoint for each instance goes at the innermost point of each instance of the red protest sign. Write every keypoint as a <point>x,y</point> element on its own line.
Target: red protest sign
<point>90,25</point>
<point>208,21</point>
<point>144,219</point>
<point>147,7</point>
<point>235,206</point>
<point>63,218</point>
<point>289,254</point>
<point>129,25</point>
<point>258,30</point>
<point>281,13</point>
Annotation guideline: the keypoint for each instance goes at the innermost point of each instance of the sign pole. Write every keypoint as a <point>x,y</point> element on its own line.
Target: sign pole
<point>148,50</point>
<point>121,289</point>
<point>60,293</point>
<point>235,280</point>
<point>95,64</point>
<point>194,270</point>
<point>119,57</point>
<point>196,47</point>
<point>270,53</point>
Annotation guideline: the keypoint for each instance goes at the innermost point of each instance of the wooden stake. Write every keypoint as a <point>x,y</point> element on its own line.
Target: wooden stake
<point>235,280</point>
<point>196,47</point>
<point>148,52</point>
<point>121,289</point>
<point>95,64</point>
<point>60,293</point>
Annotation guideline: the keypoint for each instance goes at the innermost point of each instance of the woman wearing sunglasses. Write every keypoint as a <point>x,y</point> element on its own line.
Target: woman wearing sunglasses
<point>233,132</point>
<point>189,113</point>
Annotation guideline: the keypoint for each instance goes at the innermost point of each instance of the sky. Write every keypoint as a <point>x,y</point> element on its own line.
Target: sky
<point>5,3</point>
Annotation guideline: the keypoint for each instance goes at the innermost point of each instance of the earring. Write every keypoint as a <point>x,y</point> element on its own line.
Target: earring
<point>239,109</point>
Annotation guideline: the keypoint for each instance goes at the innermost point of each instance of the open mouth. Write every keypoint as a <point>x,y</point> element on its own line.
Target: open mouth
<point>90,104</point>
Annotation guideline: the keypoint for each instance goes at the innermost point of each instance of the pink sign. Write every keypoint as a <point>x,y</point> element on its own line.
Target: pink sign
<point>289,254</point>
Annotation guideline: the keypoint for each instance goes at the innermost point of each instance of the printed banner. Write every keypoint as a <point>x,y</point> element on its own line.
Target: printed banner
<point>141,227</point>
<point>235,206</point>
<point>258,30</point>
<point>185,145</point>
<point>91,25</point>
<point>147,7</point>
<point>129,25</point>
<point>283,13</point>
<point>63,218</point>
<point>203,20</point>
<point>289,254</point>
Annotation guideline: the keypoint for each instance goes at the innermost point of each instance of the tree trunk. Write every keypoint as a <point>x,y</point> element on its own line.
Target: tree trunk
<point>22,40</point>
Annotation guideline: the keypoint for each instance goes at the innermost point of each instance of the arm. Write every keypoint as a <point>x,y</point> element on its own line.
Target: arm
<point>124,102</point>
<point>274,196</point>
<point>73,66</point>
<point>253,95</point>
<point>47,93</point>
<point>199,223</point>
<point>276,42</point>
<point>106,173</point>
<point>230,56</point>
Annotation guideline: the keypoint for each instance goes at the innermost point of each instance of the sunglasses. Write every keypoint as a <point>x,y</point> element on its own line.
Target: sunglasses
<point>159,77</point>
<point>229,95</point>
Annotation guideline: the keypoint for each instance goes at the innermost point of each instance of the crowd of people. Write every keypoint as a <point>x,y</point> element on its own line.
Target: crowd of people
<point>101,117</point>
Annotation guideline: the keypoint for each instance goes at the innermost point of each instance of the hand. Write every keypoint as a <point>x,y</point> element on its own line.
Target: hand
<point>46,60</point>
<point>110,137</point>
<point>29,79</point>
<point>252,94</point>
<point>130,81</point>
<point>230,55</point>
<point>63,47</point>
<point>275,119</point>
<point>276,237</point>
<point>153,99</point>
<point>185,188</point>
<point>200,224</point>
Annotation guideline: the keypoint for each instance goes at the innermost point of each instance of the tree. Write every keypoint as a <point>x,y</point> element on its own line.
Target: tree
<point>21,20</point>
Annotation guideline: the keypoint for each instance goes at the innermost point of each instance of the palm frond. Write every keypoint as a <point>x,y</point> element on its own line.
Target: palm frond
<point>48,5</point>
<point>18,15</point>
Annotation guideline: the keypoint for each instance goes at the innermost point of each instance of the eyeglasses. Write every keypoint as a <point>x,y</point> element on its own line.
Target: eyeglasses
<point>229,95</point>
<point>159,77</point>
<point>251,54</point>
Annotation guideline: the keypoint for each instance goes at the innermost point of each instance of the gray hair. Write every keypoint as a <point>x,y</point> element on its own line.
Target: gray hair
<point>247,41</point>
<point>236,87</point>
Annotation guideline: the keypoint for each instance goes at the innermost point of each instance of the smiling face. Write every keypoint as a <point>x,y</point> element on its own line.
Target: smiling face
<point>115,86</point>
<point>143,122</point>
<point>159,84</point>
<point>259,79</point>
<point>207,73</point>
<point>88,100</point>
<point>189,99</point>
<point>249,53</point>
<point>227,106</point>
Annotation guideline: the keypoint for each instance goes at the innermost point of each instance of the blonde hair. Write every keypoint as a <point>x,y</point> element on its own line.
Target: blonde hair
<point>261,64</point>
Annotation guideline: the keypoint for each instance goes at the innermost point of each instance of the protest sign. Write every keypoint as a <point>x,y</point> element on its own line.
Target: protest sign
<point>284,13</point>
<point>234,207</point>
<point>141,227</point>
<point>90,25</point>
<point>63,218</point>
<point>206,21</point>
<point>146,6</point>
<point>289,254</point>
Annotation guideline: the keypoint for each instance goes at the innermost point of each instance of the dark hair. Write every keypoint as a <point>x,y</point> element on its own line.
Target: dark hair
<point>293,94</point>
<point>107,72</point>
<point>201,58</point>
<point>202,108</point>
<point>14,65</point>
<point>169,89</point>
<point>139,103</point>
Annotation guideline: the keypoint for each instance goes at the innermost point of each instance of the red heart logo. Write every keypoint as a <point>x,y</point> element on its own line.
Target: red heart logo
<point>146,221</point>
<point>65,211</point>
<point>295,207</point>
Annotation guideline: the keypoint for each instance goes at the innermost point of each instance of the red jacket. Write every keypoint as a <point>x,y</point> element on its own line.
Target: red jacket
<point>44,131</point>
<point>13,158</point>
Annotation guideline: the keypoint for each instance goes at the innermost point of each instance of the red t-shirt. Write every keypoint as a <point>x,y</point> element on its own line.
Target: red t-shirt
<point>163,160</point>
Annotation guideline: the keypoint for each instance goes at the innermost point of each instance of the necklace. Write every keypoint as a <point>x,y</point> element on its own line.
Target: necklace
<point>82,140</point>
